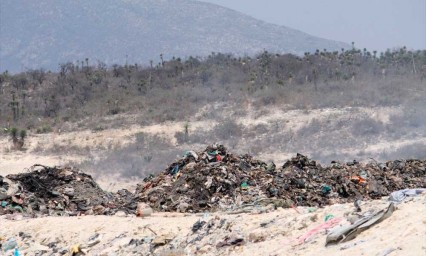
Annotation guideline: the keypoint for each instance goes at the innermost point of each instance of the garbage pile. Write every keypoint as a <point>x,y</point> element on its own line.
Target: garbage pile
<point>214,180</point>
<point>58,191</point>
<point>210,180</point>
<point>306,183</point>
<point>201,181</point>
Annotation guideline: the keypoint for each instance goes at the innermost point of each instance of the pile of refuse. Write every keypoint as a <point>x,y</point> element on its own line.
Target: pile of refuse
<point>207,180</point>
<point>59,191</point>
<point>307,183</point>
<point>210,180</point>
<point>214,180</point>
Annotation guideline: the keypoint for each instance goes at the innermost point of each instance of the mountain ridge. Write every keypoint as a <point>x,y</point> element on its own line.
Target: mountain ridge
<point>45,33</point>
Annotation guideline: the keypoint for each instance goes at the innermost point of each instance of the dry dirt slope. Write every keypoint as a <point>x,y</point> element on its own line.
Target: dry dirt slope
<point>404,230</point>
<point>273,233</point>
<point>269,134</point>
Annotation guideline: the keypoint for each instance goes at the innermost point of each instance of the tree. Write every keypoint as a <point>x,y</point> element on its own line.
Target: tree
<point>38,75</point>
<point>14,105</point>
<point>186,130</point>
<point>4,77</point>
<point>162,60</point>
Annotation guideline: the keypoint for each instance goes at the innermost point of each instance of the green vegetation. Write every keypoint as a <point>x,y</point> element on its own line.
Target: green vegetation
<point>14,133</point>
<point>17,142</point>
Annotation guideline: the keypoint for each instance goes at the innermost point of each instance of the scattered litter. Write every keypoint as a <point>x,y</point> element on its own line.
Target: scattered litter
<point>357,205</point>
<point>347,233</point>
<point>198,225</point>
<point>76,250</point>
<point>388,251</point>
<point>231,240</point>
<point>10,245</point>
<point>400,195</point>
<point>347,246</point>
<point>328,217</point>
<point>312,209</point>
<point>327,225</point>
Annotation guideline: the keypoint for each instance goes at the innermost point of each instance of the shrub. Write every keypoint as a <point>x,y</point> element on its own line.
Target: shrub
<point>18,143</point>
<point>180,137</point>
<point>23,134</point>
<point>44,129</point>
<point>367,126</point>
<point>228,129</point>
<point>314,127</point>
<point>413,116</point>
<point>14,133</point>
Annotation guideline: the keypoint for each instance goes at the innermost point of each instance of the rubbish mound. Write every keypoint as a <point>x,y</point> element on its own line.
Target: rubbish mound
<point>58,191</point>
<point>214,180</point>
<point>307,183</point>
<point>200,181</point>
<point>210,180</point>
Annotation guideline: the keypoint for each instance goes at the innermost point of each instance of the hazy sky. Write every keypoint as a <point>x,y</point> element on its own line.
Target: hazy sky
<point>375,24</point>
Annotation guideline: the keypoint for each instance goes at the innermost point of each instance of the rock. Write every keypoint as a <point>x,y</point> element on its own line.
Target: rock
<point>98,210</point>
<point>34,247</point>
<point>163,239</point>
<point>143,210</point>
<point>182,207</point>
<point>120,214</point>
<point>231,240</point>
<point>69,191</point>
<point>198,225</point>
<point>93,240</point>
<point>3,195</point>
<point>256,237</point>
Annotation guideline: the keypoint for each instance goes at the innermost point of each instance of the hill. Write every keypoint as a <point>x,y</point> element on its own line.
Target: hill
<point>329,105</point>
<point>44,33</point>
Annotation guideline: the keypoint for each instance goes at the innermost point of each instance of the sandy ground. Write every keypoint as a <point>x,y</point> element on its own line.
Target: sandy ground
<point>86,144</point>
<point>291,120</point>
<point>63,148</point>
<point>404,231</point>
<point>277,231</point>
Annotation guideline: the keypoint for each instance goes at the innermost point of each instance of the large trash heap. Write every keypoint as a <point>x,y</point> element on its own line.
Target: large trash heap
<point>215,179</point>
<point>58,191</point>
<point>210,180</point>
